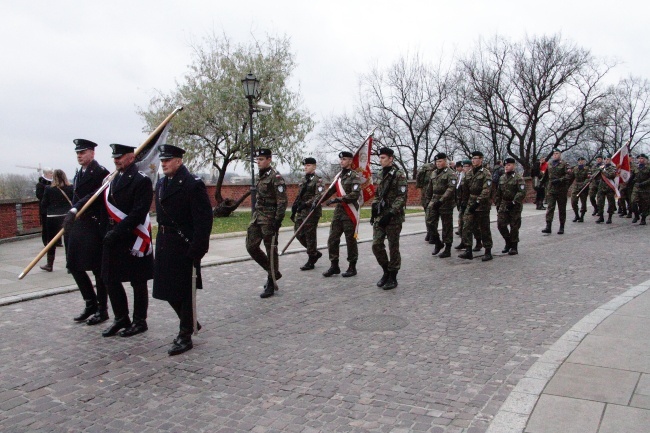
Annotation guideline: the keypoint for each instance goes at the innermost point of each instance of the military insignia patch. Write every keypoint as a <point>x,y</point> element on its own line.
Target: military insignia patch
<point>453,181</point>
<point>402,188</point>
<point>320,189</point>
<point>522,187</point>
<point>281,188</point>
<point>489,182</point>
<point>355,187</point>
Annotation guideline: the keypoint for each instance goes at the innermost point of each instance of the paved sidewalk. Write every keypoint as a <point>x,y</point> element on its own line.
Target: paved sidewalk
<point>551,340</point>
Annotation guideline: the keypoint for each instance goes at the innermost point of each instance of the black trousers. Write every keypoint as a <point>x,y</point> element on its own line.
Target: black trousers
<point>86,287</point>
<point>184,312</point>
<point>120,303</point>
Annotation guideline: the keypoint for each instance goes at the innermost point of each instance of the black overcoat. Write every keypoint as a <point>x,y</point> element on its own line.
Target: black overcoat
<point>85,239</point>
<point>132,194</point>
<point>182,204</point>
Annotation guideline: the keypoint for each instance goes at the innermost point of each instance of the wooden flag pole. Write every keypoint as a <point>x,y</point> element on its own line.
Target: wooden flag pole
<point>96,194</point>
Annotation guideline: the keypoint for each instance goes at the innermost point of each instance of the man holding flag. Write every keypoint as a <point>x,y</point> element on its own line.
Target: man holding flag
<point>346,216</point>
<point>607,190</point>
<point>387,218</point>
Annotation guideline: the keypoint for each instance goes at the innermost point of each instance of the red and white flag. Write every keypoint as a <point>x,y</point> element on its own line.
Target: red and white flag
<point>621,160</point>
<point>142,246</point>
<point>361,164</point>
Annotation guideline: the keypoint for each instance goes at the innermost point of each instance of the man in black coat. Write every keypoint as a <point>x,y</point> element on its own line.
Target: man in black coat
<point>184,218</point>
<point>84,234</point>
<point>127,252</point>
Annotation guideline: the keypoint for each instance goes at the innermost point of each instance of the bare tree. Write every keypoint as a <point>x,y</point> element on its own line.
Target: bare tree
<point>17,186</point>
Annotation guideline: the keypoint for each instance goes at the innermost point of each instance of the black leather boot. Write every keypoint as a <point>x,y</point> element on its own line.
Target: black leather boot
<point>446,253</point>
<point>460,246</point>
<point>609,219</point>
<point>548,228</point>
<point>427,237</point>
<point>352,270</point>
<point>269,288</point>
<point>181,344</point>
<point>118,323</point>
<point>601,219</point>
<point>513,249</point>
<point>317,256</point>
<point>467,254</point>
<point>91,308</point>
<point>488,255</point>
<point>479,246</point>
<point>391,283</point>
<point>561,230</point>
<point>582,216</point>
<point>50,260</point>
<point>577,218</point>
<point>438,246</point>
<point>383,278</point>
<point>636,218</point>
<point>309,265</point>
<point>100,316</point>
<point>333,270</point>
<point>506,248</point>
<point>642,223</point>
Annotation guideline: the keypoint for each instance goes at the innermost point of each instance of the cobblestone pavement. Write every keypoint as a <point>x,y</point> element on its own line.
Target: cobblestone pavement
<point>297,363</point>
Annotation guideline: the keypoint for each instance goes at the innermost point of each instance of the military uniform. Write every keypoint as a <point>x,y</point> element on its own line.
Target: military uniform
<point>184,217</point>
<point>131,192</point>
<point>267,218</point>
<point>341,222</point>
<point>641,193</point>
<point>440,198</point>
<point>422,183</point>
<point>559,179</point>
<point>606,193</point>
<point>84,240</point>
<point>388,216</point>
<point>477,215</point>
<point>310,190</point>
<point>581,176</point>
<point>509,200</point>
<point>594,186</point>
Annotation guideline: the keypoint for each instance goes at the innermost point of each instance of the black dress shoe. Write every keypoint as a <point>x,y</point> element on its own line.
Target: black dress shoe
<point>116,326</point>
<point>91,308</point>
<point>99,317</point>
<point>136,328</point>
<point>179,346</point>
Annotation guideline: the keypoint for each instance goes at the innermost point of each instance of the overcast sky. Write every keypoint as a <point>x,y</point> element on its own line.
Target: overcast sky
<point>80,69</point>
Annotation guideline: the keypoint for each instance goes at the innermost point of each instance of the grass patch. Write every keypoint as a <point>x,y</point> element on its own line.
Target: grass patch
<point>238,221</point>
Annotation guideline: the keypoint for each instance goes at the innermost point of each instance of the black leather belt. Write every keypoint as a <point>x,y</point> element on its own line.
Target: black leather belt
<point>167,229</point>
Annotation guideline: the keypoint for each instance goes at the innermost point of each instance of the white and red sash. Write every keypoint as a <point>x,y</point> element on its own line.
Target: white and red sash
<point>349,208</point>
<point>142,246</point>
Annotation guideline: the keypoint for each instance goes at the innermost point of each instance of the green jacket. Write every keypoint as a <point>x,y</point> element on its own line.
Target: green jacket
<point>641,180</point>
<point>559,177</point>
<point>512,188</point>
<point>609,170</point>
<point>271,200</point>
<point>442,186</point>
<point>581,175</point>
<point>351,183</point>
<point>309,191</point>
<point>479,188</point>
<point>392,189</point>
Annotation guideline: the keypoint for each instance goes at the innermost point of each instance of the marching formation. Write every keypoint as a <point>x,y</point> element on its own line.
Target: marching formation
<point>112,238</point>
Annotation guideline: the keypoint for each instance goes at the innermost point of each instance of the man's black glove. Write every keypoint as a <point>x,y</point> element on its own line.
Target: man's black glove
<point>374,211</point>
<point>333,201</point>
<point>437,204</point>
<point>277,224</point>
<point>293,216</point>
<point>385,220</point>
<point>556,181</point>
<point>111,237</point>
<point>472,208</point>
<point>510,206</point>
<point>68,221</point>
<point>463,207</point>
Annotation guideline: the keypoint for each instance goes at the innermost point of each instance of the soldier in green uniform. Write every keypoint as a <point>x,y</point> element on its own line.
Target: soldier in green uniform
<point>270,205</point>
<point>509,200</point>
<point>581,175</point>
<point>350,184</point>
<point>641,190</point>
<point>459,174</point>
<point>439,198</point>
<point>479,188</point>
<point>387,217</point>
<point>605,192</point>
<point>310,189</point>
<point>559,179</point>
<point>421,183</point>
<point>593,186</point>
<point>462,196</point>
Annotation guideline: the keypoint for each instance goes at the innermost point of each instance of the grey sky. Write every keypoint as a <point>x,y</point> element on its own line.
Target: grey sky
<point>79,69</point>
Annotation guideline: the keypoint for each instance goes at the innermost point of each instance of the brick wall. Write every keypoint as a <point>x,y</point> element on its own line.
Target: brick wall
<point>11,225</point>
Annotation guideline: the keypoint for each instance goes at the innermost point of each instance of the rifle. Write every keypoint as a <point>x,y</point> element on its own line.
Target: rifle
<point>378,208</point>
<point>97,194</point>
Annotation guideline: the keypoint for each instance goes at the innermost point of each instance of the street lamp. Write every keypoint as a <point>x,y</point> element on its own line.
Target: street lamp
<point>251,90</point>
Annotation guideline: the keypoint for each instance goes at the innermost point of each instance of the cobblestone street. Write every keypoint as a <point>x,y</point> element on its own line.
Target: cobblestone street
<point>438,354</point>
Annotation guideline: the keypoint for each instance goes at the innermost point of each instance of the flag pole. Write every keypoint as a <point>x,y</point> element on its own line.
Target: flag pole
<point>97,194</point>
<point>322,197</point>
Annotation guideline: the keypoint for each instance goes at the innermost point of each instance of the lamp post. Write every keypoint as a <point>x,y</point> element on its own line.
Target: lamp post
<point>251,90</point>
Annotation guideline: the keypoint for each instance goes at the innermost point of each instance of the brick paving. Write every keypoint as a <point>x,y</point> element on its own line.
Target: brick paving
<point>292,364</point>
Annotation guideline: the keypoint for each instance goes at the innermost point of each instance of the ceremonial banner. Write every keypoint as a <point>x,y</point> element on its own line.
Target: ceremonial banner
<point>148,160</point>
<point>142,246</point>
